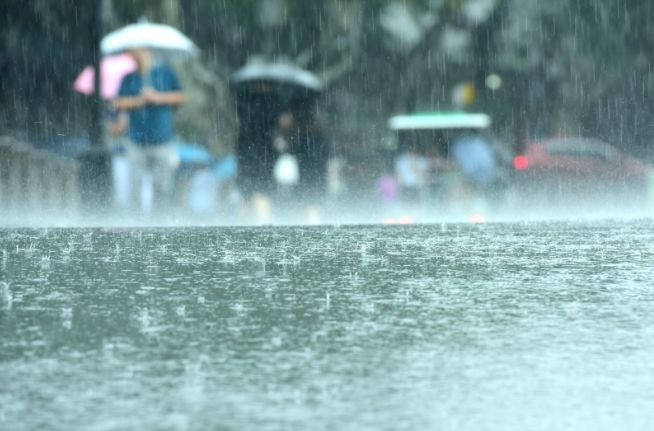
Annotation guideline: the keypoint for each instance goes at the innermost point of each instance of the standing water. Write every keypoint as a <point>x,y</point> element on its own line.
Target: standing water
<point>468,327</point>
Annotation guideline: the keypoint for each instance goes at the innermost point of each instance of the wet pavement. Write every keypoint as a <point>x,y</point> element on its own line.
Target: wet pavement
<point>447,326</point>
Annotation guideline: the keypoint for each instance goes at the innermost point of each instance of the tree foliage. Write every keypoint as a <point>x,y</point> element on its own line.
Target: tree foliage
<point>579,67</point>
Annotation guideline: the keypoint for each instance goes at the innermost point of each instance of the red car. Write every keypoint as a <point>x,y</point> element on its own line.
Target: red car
<point>580,174</point>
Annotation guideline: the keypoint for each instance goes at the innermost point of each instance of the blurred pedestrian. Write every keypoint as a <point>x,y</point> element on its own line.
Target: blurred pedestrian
<point>412,171</point>
<point>285,170</point>
<point>473,153</point>
<point>149,95</point>
<point>284,138</point>
<point>124,190</point>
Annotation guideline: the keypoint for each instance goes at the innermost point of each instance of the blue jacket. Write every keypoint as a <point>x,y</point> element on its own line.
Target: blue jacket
<point>150,125</point>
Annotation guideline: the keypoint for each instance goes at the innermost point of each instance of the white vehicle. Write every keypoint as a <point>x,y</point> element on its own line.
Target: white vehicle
<point>447,165</point>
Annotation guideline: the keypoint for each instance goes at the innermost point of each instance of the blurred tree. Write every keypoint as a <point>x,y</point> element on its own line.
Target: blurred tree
<point>566,67</point>
<point>377,57</point>
<point>42,50</point>
<point>577,68</point>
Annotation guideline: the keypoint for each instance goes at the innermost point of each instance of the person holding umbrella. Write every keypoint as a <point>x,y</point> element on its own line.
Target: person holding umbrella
<point>149,96</point>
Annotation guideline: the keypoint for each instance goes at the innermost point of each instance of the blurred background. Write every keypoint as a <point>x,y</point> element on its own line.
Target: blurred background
<point>538,69</point>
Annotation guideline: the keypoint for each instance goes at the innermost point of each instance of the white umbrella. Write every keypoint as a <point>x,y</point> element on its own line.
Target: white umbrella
<point>148,35</point>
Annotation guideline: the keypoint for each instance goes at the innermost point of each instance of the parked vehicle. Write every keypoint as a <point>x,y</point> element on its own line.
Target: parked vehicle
<point>580,174</point>
<point>459,169</point>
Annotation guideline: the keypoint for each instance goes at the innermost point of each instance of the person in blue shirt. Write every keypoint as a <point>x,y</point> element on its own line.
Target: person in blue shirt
<point>476,158</point>
<point>149,96</point>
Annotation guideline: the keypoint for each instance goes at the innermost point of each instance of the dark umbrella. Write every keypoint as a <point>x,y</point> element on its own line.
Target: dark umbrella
<point>263,91</point>
<point>277,73</point>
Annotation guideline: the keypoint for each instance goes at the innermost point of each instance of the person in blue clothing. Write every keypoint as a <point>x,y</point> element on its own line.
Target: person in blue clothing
<point>149,96</point>
<point>478,162</point>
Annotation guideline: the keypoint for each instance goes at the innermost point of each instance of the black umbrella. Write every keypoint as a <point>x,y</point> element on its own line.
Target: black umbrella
<point>263,91</point>
<point>282,74</point>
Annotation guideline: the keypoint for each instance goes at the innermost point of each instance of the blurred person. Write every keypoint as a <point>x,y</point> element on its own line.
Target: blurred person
<point>285,170</point>
<point>388,193</point>
<point>477,161</point>
<point>336,185</point>
<point>442,177</point>
<point>203,192</point>
<point>412,172</point>
<point>149,95</point>
<point>123,186</point>
<point>300,168</point>
<point>284,139</point>
<point>473,153</point>
<point>388,189</point>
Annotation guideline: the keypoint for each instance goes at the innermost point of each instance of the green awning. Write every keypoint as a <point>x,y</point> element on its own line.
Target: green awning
<point>439,120</point>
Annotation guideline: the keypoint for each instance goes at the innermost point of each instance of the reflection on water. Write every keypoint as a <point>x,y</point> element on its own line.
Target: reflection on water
<point>516,326</point>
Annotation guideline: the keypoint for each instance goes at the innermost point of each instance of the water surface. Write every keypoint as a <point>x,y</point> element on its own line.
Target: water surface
<point>451,327</point>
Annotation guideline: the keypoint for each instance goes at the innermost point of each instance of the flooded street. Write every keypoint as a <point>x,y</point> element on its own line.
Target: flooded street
<point>521,326</point>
